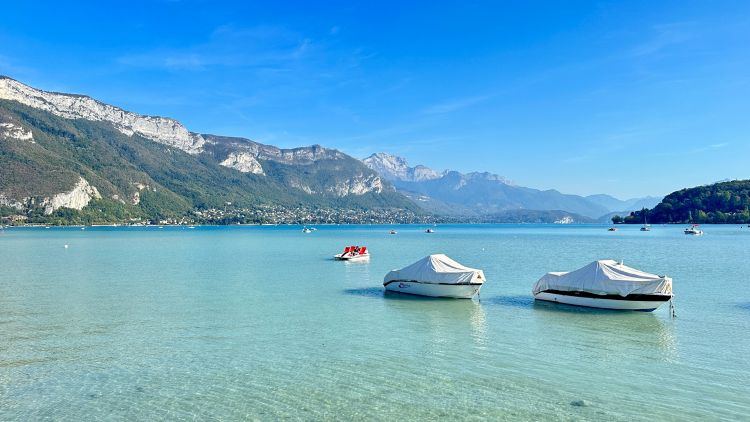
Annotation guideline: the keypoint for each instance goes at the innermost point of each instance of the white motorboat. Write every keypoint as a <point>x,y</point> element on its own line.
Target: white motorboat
<point>393,232</point>
<point>429,231</point>
<point>694,230</point>
<point>353,253</point>
<point>306,230</point>
<point>436,276</point>
<point>605,284</point>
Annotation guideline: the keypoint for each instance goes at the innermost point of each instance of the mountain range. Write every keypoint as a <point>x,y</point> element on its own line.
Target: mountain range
<point>66,153</point>
<point>473,194</point>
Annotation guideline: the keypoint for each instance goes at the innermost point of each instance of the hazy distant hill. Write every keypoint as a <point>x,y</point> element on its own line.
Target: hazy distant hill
<point>618,205</point>
<point>472,194</point>
<point>724,202</point>
<point>62,151</point>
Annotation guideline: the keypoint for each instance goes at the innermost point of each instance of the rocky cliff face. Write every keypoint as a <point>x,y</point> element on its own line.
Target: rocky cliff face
<point>396,168</point>
<point>14,131</point>
<point>160,129</point>
<point>359,185</point>
<point>303,155</point>
<point>10,202</point>
<point>77,198</point>
<point>242,149</point>
<point>245,162</point>
<point>250,157</point>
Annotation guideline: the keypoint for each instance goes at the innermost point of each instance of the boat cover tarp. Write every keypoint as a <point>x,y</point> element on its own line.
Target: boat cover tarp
<point>436,268</point>
<point>605,277</point>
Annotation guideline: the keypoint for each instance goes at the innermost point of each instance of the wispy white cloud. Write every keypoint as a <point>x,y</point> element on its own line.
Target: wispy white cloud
<point>697,150</point>
<point>710,147</point>
<point>664,36</point>
<point>228,46</point>
<point>171,60</point>
<point>576,159</point>
<point>454,105</point>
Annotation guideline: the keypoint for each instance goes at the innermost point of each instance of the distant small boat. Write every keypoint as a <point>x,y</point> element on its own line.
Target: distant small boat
<point>605,284</point>
<point>393,232</point>
<point>83,228</point>
<point>694,230</point>
<point>436,276</point>
<point>645,227</point>
<point>612,229</point>
<point>353,253</point>
<point>306,230</point>
<point>429,231</point>
<point>191,227</point>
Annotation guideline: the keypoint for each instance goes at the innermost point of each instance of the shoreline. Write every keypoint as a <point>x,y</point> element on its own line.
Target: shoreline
<point>196,225</point>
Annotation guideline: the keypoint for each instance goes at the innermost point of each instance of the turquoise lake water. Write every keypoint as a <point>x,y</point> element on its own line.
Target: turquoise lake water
<point>259,323</point>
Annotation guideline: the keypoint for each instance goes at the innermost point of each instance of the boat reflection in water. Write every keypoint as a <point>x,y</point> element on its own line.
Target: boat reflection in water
<point>608,333</point>
<point>445,319</point>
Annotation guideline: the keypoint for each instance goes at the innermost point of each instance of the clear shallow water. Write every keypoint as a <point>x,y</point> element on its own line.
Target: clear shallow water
<point>259,322</point>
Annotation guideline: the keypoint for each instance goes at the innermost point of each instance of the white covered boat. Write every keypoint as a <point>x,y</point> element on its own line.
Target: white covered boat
<point>605,284</point>
<point>353,253</point>
<point>436,276</point>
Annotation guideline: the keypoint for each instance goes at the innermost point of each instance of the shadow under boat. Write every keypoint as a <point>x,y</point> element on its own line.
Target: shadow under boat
<point>615,331</point>
<point>528,302</point>
<point>379,292</point>
<point>519,301</point>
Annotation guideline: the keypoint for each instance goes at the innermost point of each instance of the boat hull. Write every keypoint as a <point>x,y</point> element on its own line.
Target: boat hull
<point>604,303</point>
<point>343,257</point>
<point>456,291</point>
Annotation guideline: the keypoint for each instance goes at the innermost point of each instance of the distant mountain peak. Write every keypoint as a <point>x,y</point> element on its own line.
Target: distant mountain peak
<point>396,168</point>
<point>485,175</point>
<point>392,167</point>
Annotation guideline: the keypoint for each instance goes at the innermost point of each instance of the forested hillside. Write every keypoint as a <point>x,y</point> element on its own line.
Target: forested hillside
<point>725,202</point>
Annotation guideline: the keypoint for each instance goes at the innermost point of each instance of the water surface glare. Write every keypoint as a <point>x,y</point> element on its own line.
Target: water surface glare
<point>260,322</point>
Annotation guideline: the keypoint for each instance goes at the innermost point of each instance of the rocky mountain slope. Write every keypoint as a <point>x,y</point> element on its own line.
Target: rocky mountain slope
<point>69,151</point>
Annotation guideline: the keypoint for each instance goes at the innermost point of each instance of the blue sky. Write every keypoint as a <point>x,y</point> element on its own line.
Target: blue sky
<point>627,98</point>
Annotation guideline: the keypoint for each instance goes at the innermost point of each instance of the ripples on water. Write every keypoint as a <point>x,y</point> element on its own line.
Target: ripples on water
<point>244,322</point>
